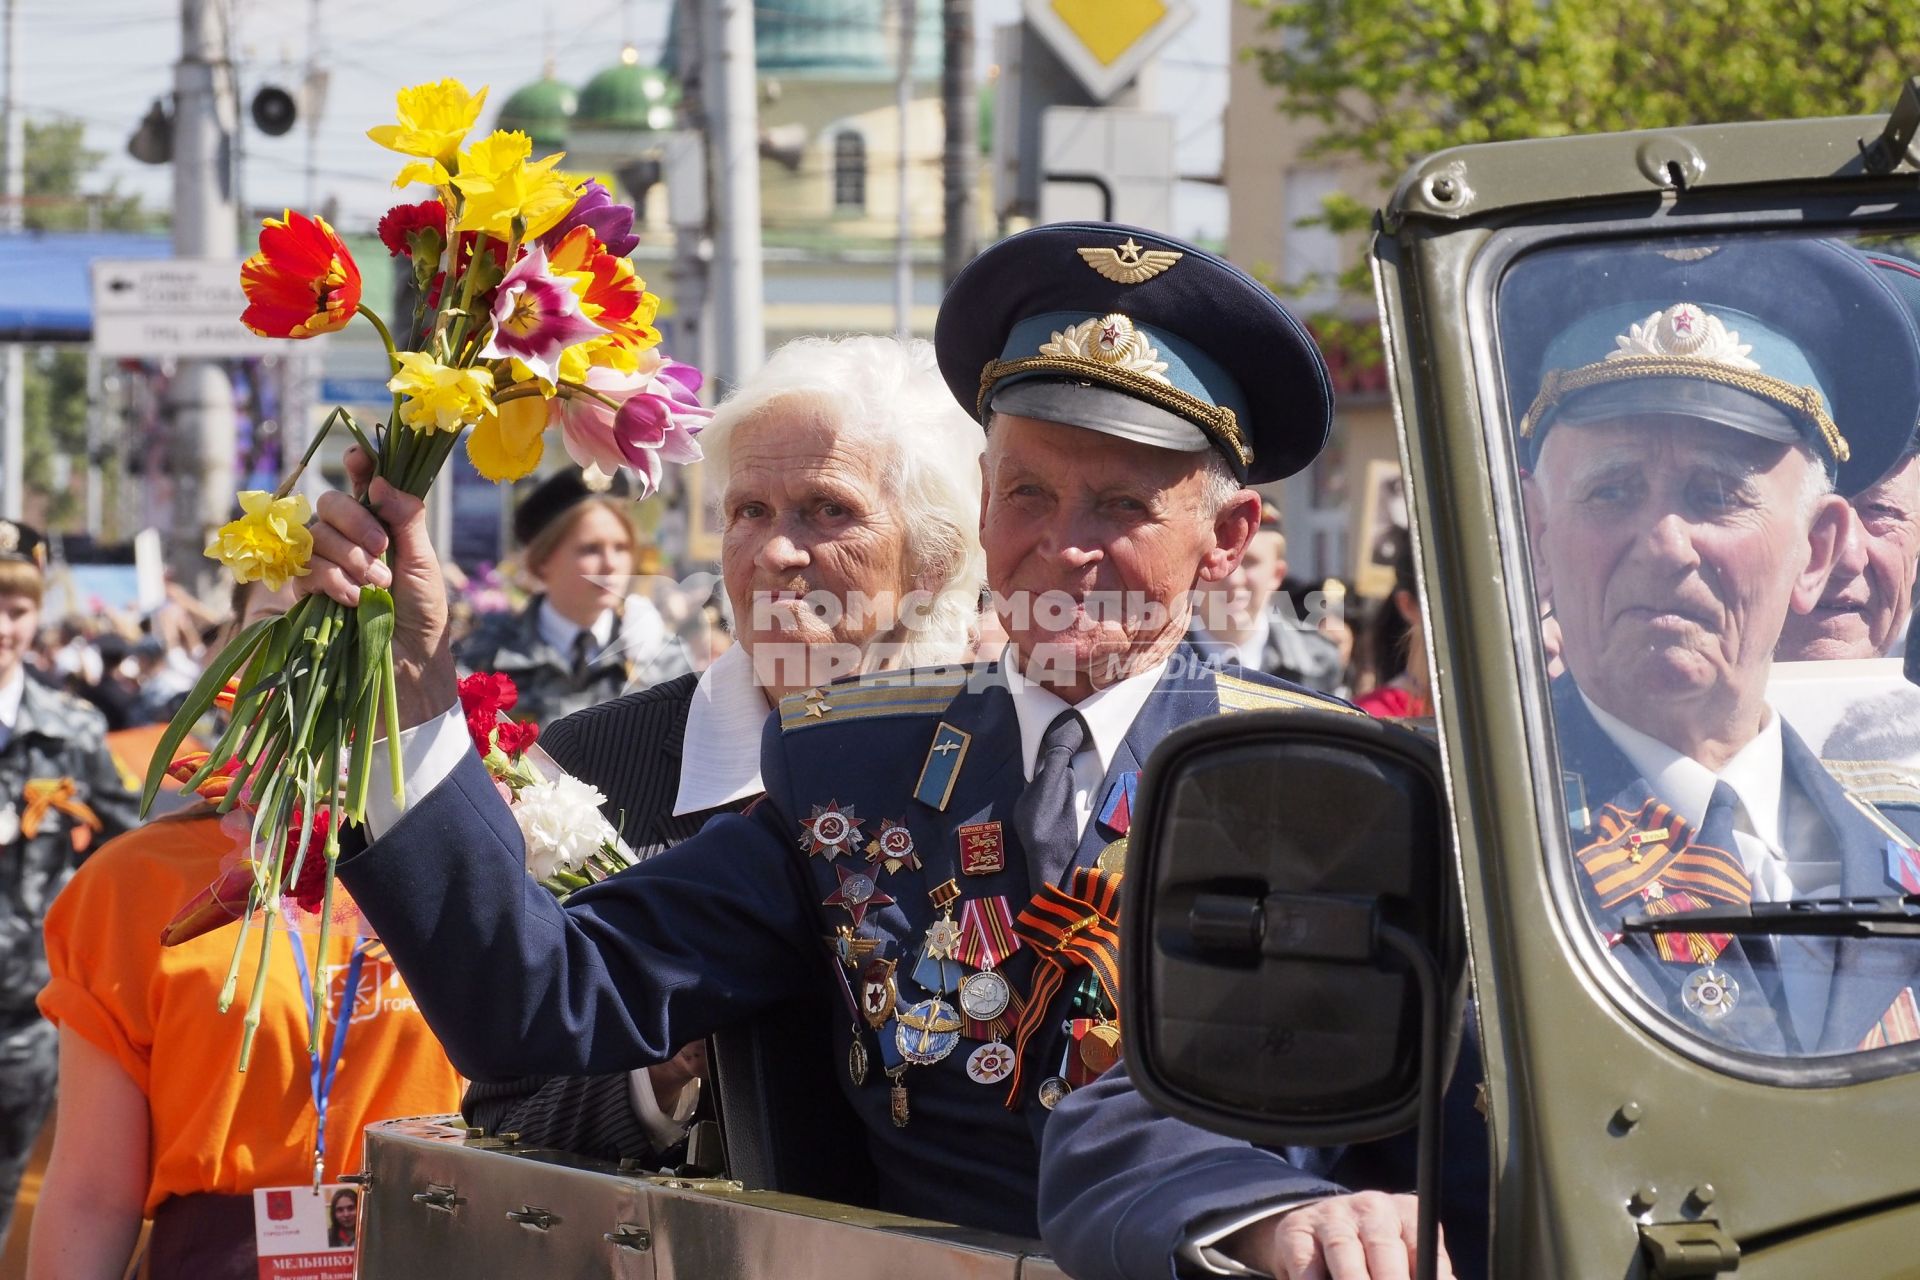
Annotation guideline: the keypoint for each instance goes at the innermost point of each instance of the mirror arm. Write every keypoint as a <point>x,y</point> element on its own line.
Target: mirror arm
<point>1427,1158</point>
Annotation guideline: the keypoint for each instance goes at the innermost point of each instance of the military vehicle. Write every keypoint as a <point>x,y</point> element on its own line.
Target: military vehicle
<point>1314,901</point>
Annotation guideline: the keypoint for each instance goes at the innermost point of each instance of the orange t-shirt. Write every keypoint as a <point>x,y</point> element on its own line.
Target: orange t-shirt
<point>155,1010</point>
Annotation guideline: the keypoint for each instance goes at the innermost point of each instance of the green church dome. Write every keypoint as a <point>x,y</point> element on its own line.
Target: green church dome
<point>628,96</point>
<point>832,39</point>
<point>541,110</point>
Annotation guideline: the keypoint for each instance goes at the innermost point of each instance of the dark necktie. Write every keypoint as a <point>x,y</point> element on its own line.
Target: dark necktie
<point>1044,817</point>
<point>1716,828</point>
<point>582,656</point>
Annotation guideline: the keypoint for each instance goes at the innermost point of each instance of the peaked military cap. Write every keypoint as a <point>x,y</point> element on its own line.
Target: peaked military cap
<point>1794,340</point>
<point>23,542</point>
<point>1138,335</point>
<point>558,494</point>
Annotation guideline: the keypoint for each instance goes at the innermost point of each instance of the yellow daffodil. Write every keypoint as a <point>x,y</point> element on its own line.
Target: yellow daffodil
<point>269,542</point>
<point>431,172</point>
<point>507,444</point>
<point>500,183</point>
<point>439,397</point>
<point>434,120</point>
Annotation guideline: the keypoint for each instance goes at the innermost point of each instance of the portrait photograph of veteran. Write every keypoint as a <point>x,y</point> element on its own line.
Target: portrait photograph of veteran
<point>1680,507</point>
<point>1153,381</point>
<point>845,473</point>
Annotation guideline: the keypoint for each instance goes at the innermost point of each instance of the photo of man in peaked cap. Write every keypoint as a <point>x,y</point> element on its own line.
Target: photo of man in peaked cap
<point>1682,450</point>
<point>925,839</point>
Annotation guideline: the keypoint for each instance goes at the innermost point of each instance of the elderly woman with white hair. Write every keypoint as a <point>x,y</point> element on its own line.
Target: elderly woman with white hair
<point>848,487</point>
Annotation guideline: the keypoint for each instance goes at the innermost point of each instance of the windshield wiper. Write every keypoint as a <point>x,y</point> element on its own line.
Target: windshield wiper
<point>1798,918</point>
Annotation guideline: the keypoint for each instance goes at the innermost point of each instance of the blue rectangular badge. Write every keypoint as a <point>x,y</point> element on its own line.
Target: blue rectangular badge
<point>1903,866</point>
<point>942,767</point>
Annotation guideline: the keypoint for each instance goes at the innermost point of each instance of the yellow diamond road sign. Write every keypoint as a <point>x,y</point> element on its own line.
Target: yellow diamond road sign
<point>1106,42</point>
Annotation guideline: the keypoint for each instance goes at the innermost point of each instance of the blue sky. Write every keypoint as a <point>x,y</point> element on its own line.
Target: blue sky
<point>104,61</point>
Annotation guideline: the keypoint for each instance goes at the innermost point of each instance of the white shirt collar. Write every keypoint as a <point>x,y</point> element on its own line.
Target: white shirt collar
<point>10,694</point>
<point>559,632</point>
<point>1686,784</point>
<point>1253,650</point>
<point>1109,713</point>
<point>720,757</point>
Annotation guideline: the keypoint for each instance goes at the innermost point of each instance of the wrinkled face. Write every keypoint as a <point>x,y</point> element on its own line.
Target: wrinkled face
<point>814,550</point>
<point>1673,550</point>
<point>19,621</point>
<point>1093,544</point>
<point>1870,594</point>
<point>592,568</point>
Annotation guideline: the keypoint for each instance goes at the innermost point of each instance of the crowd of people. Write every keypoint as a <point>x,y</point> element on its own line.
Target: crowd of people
<point>1073,434</point>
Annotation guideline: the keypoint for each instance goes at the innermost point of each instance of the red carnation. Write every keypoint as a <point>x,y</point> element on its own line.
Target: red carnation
<point>401,222</point>
<point>515,736</point>
<point>310,890</point>
<point>484,696</point>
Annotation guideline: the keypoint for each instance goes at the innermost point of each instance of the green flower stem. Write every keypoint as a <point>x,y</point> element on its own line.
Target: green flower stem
<point>390,699</point>
<point>386,340</point>
<point>293,477</point>
<point>252,1023</point>
<point>333,858</point>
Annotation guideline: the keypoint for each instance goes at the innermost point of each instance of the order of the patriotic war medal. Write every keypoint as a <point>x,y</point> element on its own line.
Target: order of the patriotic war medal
<point>893,847</point>
<point>990,1063</point>
<point>1052,1090</point>
<point>856,893</point>
<point>927,1032</point>
<point>830,831</point>
<point>1710,994</point>
<point>984,996</point>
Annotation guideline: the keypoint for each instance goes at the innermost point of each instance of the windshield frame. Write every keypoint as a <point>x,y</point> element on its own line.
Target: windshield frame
<point>1508,244</point>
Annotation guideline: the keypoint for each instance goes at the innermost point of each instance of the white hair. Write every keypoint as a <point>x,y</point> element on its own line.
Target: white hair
<point>889,391</point>
<point>1815,485</point>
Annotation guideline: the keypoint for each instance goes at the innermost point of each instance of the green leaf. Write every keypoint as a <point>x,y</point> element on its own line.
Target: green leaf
<point>199,699</point>
<point>375,626</point>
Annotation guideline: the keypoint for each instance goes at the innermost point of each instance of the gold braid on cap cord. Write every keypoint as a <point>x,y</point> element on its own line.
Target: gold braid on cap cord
<point>1217,421</point>
<point>1561,383</point>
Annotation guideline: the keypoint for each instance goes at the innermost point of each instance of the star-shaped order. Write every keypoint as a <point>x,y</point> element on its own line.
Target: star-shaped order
<point>893,847</point>
<point>830,831</point>
<point>856,893</point>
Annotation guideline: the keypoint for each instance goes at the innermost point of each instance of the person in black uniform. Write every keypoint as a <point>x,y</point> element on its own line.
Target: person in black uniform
<point>583,638</point>
<point>60,795</point>
<point>940,847</point>
<point>871,418</point>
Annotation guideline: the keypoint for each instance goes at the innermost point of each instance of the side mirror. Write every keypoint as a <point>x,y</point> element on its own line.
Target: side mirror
<point>1292,940</point>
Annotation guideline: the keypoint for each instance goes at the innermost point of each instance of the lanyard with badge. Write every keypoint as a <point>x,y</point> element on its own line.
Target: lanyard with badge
<point>317,1224</point>
<point>320,1076</point>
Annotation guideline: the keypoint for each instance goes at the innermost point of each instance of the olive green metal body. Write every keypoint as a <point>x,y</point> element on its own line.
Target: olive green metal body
<point>1615,1144</point>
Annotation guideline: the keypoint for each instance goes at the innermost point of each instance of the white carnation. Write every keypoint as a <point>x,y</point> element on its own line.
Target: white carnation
<point>561,823</point>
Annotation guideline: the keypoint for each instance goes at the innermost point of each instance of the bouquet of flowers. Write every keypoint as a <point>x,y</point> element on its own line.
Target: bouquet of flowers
<point>570,844</point>
<point>531,317</point>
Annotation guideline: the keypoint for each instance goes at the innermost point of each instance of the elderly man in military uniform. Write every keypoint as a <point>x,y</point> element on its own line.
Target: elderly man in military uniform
<point>1681,510</point>
<point>940,849</point>
<point>60,795</point>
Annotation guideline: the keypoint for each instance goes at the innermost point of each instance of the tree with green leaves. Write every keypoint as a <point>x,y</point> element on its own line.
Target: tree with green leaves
<point>58,168</point>
<point>1391,81</point>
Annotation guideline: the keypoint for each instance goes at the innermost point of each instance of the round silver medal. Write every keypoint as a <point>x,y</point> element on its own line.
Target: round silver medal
<point>1052,1089</point>
<point>1710,994</point>
<point>984,996</point>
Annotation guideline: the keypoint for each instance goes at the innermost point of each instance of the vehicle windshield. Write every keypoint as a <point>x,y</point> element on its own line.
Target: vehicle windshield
<point>1715,442</point>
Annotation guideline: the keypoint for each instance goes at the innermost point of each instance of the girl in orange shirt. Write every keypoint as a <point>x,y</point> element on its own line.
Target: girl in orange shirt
<point>154,1119</point>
